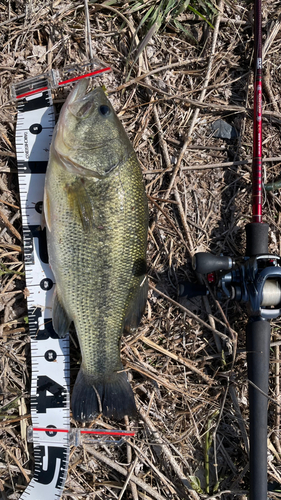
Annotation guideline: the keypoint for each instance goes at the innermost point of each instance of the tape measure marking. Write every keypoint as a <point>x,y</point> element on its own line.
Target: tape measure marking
<point>50,405</point>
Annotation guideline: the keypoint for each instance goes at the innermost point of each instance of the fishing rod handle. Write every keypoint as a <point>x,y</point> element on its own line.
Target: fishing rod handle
<point>205,263</point>
<point>258,347</point>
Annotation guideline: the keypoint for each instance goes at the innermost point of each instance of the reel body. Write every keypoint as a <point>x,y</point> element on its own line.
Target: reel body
<point>255,281</point>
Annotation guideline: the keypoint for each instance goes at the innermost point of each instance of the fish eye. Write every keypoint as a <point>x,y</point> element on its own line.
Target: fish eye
<point>104,110</point>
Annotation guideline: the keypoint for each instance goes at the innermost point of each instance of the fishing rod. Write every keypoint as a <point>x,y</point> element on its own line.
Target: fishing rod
<point>256,281</point>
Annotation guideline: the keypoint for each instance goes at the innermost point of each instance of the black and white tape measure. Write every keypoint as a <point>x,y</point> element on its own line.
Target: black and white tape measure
<point>50,406</point>
<point>50,402</point>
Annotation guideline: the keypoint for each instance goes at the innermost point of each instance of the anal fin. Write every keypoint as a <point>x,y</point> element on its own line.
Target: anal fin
<point>136,307</point>
<point>61,321</point>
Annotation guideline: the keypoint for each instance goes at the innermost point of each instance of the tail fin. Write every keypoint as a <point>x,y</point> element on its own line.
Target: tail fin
<point>112,396</point>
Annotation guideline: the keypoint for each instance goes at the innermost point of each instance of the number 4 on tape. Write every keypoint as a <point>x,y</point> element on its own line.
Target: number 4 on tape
<point>50,408</point>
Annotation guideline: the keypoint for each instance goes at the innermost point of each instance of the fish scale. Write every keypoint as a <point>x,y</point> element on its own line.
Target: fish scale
<point>97,233</point>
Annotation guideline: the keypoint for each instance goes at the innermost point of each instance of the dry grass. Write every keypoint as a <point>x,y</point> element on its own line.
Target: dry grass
<point>190,391</point>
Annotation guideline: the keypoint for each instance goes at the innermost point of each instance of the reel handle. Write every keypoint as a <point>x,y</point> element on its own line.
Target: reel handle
<point>205,263</point>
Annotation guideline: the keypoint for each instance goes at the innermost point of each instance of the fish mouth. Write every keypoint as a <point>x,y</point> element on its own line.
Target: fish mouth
<point>82,105</point>
<point>79,116</point>
<point>83,102</point>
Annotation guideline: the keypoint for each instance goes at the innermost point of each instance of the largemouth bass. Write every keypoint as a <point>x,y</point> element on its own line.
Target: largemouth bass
<point>97,218</point>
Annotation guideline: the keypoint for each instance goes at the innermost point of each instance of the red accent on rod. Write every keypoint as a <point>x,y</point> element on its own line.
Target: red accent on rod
<point>257,134</point>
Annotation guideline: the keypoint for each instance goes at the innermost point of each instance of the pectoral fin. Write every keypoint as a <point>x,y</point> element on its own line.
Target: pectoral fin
<point>61,321</point>
<point>136,307</point>
<point>80,203</point>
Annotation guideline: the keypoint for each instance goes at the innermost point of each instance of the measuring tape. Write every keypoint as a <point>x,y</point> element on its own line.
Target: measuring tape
<point>50,364</point>
<point>50,405</point>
